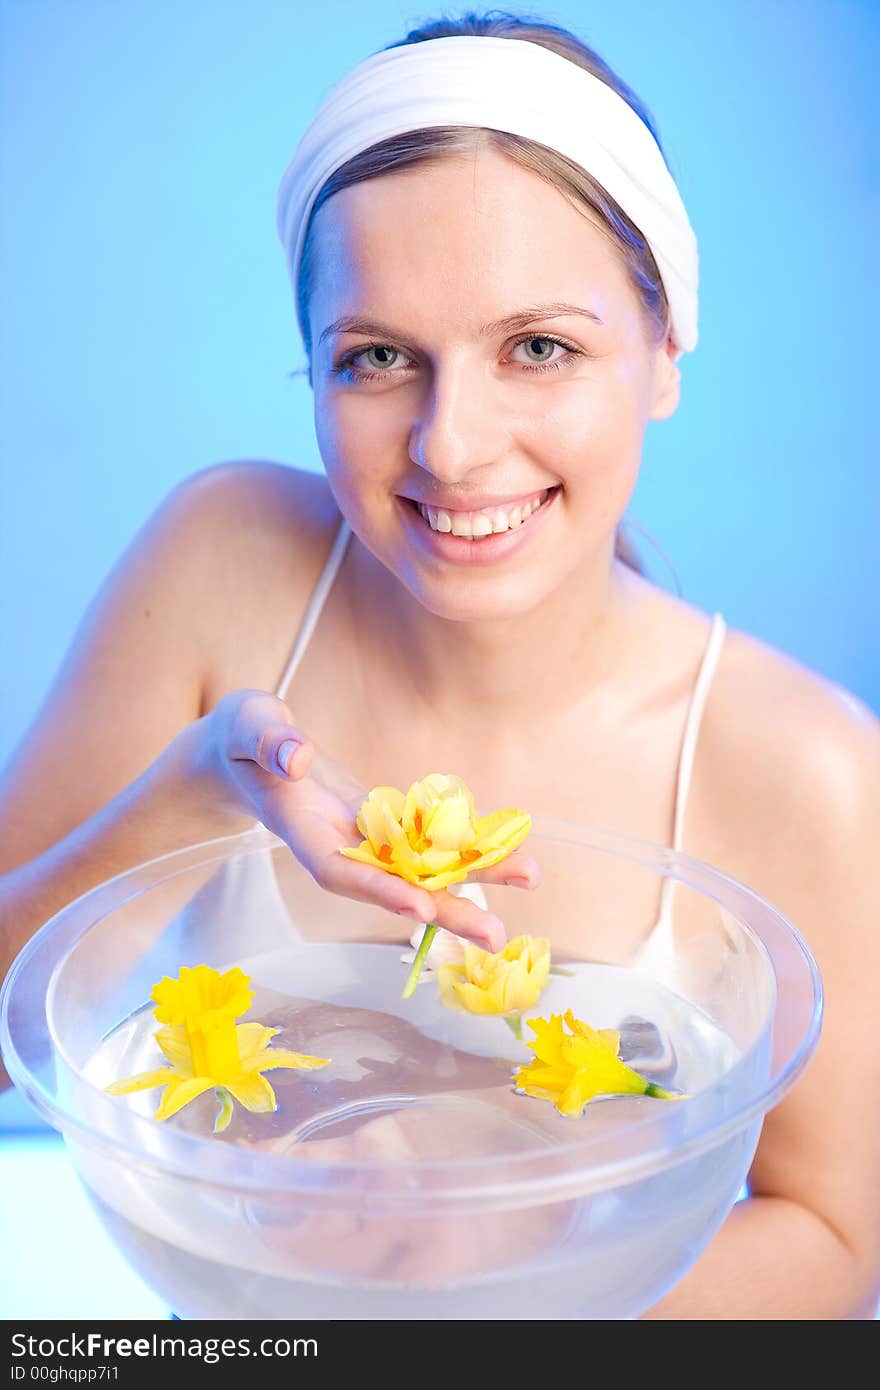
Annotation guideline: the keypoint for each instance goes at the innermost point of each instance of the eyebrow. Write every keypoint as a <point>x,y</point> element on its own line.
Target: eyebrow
<point>354,323</point>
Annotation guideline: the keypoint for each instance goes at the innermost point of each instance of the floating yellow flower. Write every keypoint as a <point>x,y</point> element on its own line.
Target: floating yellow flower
<point>571,1068</point>
<point>507,982</point>
<point>207,1049</point>
<point>432,836</point>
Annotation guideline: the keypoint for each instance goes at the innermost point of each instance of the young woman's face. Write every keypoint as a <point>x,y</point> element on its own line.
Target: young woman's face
<point>439,404</point>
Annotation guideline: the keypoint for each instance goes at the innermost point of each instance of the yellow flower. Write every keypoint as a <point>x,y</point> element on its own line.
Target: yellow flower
<point>571,1068</point>
<point>507,982</point>
<point>201,989</point>
<point>207,1049</point>
<point>432,836</point>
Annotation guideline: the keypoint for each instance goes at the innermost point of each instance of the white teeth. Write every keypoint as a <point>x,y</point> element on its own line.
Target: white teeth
<point>474,525</point>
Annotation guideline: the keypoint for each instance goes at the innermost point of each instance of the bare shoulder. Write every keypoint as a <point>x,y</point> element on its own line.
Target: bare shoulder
<point>208,589</point>
<point>249,504</point>
<point>777,713</point>
<point>790,761</point>
<point>268,527</point>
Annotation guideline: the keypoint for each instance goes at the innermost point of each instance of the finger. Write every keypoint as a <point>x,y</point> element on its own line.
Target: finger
<point>464,918</point>
<point>262,732</point>
<point>518,870</point>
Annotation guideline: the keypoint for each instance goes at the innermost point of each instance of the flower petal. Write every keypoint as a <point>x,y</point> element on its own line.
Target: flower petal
<point>252,1091</point>
<point>201,989</point>
<point>549,1038</point>
<point>364,855</point>
<point>415,813</point>
<point>485,859</point>
<point>448,976</point>
<point>502,830</point>
<point>402,851</point>
<point>436,861</point>
<point>583,1086</point>
<point>476,1000</point>
<point>253,1038</point>
<point>434,882</point>
<point>143,1081</point>
<point>179,1092</point>
<point>175,1046</point>
<point>553,1079</point>
<point>283,1057</point>
<point>449,825</point>
<point>371,816</point>
<point>438,785</point>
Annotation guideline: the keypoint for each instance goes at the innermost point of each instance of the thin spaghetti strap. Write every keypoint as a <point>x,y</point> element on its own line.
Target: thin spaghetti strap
<point>315,604</point>
<point>658,945</point>
<point>692,726</point>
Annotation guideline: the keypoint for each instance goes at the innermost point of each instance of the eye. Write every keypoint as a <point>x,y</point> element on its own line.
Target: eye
<point>383,351</point>
<point>387,355</point>
<point>548,364</point>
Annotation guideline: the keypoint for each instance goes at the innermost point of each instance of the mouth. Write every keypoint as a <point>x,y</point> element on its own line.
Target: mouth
<point>499,530</point>
<point>481,525</point>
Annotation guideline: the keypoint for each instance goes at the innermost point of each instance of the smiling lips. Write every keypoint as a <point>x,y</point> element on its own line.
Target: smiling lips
<point>487,522</point>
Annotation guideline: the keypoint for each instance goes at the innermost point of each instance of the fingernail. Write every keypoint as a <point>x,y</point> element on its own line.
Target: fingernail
<point>520,881</point>
<point>286,751</point>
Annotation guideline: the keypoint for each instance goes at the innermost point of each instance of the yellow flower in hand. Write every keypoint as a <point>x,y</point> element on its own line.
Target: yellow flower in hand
<point>571,1068</point>
<point>507,982</point>
<point>207,1049</point>
<point>432,836</point>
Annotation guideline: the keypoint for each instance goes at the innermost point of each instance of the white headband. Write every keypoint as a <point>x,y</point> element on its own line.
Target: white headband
<point>512,85</point>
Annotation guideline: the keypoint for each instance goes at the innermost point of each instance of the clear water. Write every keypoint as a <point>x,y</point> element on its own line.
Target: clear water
<point>414,1081</point>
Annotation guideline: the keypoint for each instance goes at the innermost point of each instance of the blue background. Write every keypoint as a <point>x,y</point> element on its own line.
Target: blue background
<point>148,326</point>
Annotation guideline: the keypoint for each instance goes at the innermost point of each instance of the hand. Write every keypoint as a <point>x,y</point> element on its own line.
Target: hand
<point>312,806</point>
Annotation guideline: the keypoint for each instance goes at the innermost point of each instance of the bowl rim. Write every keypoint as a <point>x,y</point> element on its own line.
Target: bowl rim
<point>486,1181</point>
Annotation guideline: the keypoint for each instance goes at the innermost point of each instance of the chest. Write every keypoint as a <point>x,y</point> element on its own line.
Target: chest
<point>619,775</point>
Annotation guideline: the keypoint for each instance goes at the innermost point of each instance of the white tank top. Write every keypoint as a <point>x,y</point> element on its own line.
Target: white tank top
<point>248,887</point>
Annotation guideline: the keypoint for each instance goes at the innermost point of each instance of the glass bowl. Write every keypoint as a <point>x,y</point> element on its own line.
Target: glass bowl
<point>408,1178</point>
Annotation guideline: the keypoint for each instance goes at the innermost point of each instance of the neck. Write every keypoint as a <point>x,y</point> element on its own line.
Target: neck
<point>564,655</point>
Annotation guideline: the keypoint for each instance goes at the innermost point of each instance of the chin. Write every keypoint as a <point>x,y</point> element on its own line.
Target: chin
<point>469,598</point>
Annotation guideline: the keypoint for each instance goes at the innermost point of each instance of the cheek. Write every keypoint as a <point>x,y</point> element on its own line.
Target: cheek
<point>359,446</point>
<point>350,459</point>
<point>591,435</point>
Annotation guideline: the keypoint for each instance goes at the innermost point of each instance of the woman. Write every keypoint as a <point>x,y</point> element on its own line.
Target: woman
<point>489,330</point>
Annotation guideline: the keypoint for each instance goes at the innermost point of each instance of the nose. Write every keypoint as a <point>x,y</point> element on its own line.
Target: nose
<point>460,429</point>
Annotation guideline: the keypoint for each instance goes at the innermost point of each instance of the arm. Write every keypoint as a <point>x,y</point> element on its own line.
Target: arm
<point>772,1259</point>
<point>94,786</point>
<point>121,766</point>
<point>806,1244</point>
<point>177,801</point>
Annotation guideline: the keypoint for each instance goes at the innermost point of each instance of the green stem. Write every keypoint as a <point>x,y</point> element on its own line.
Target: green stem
<point>412,978</point>
<point>514,1023</point>
<point>559,970</point>
<point>658,1091</point>
<point>224,1114</point>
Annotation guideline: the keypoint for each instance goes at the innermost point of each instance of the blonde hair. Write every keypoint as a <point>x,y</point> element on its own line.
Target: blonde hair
<point>425,146</point>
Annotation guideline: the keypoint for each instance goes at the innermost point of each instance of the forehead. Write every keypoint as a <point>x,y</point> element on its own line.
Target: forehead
<point>465,237</point>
